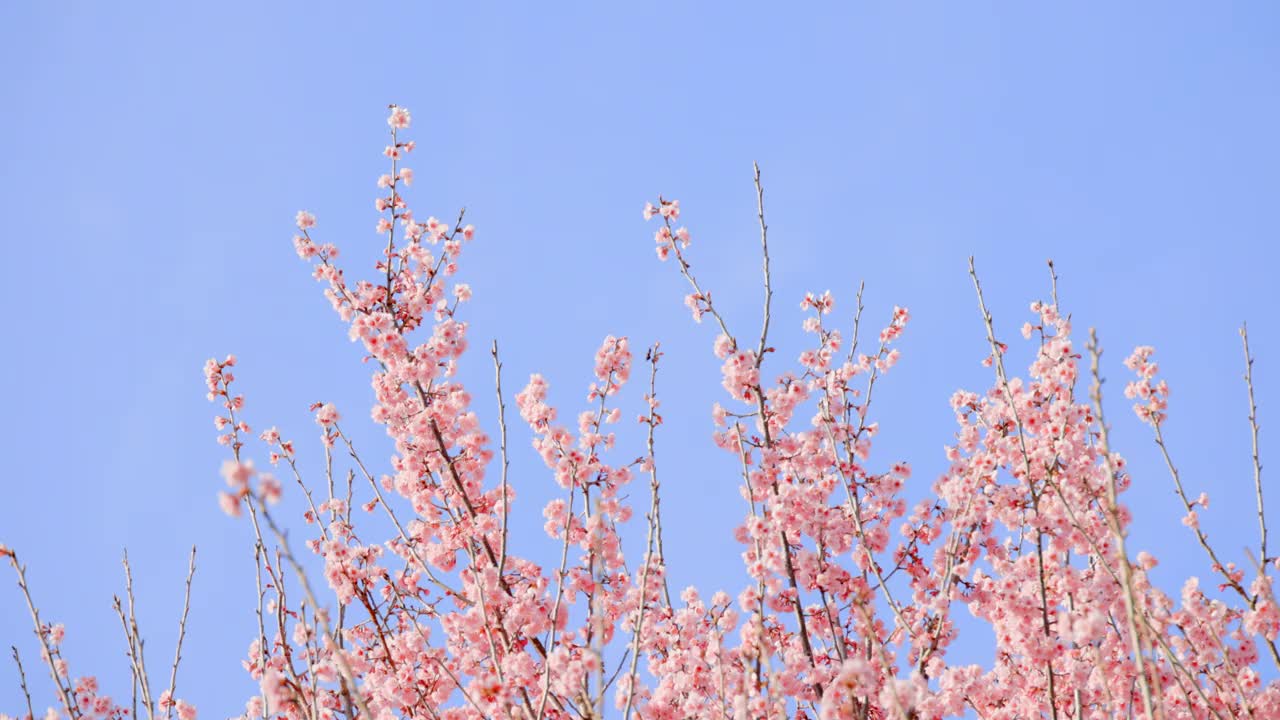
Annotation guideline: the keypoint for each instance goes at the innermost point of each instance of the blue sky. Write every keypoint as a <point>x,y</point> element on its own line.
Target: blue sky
<point>154,158</point>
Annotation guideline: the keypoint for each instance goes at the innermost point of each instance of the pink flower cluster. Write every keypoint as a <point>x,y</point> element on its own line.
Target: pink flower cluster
<point>668,237</point>
<point>1152,396</point>
<point>852,598</point>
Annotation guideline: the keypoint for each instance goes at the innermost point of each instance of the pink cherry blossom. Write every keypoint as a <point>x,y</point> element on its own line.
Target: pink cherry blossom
<point>861,572</point>
<point>399,118</point>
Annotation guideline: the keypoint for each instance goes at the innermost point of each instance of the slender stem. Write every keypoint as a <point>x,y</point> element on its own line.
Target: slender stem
<point>555,609</point>
<point>182,633</point>
<point>997,357</point>
<point>764,247</point>
<point>258,550</point>
<point>1126,570</point>
<point>1257,463</point>
<point>66,694</point>
<point>144,680</point>
<point>344,667</point>
<point>654,523</point>
<point>410,544</point>
<point>22,681</point>
<point>502,427</point>
<point>1053,282</point>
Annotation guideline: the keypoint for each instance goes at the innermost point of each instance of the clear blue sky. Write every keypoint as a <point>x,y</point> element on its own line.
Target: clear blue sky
<point>153,159</point>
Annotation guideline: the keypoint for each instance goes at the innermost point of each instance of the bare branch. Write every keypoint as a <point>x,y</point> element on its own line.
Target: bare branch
<point>1126,570</point>
<point>1053,281</point>
<point>655,528</point>
<point>502,426</point>
<point>857,322</point>
<point>22,681</point>
<point>1257,462</point>
<point>410,544</point>
<point>144,681</point>
<point>764,247</point>
<point>182,633</point>
<point>321,615</point>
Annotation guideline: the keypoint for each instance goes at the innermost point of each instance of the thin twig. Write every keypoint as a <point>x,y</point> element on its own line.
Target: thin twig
<point>857,321</point>
<point>144,680</point>
<point>410,543</point>
<point>1257,462</point>
<point>1053,281</point>
<point>997,358</point>
<point>182,633</point>
<point>22,681</point>
<point>344,667</point>
<point>1126,570</point>
<point>555,608</point>
<point>258,550</point>
<point>788,563</point>
<point>131,651</point>
<point>1219,567</point>
<point>654,523</point>
<point>764,247</point>
<point>502,426</point>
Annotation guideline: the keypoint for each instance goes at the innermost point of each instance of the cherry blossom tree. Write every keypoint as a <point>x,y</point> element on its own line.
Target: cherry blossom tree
<point>848,607</point>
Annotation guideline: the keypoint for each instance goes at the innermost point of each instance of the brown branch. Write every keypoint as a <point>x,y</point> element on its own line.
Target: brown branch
<point>258,550</point>
<point>693,283</point>
<point>22,681</point>
<point>144,680</point>
<point>655,523</point>
<point>182,633</point>
<point>1113,516</point>
<point>1217,565</point>
<point>997,357</point>
<point>344,667</point>
<point>410,544</point>
<point>555,609</point>
<point>1053,282</point>
<point>1257,463</point>
<point>764,247</point>
<point>502,426</point>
